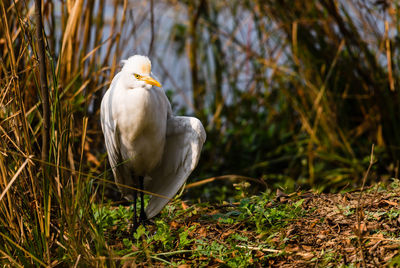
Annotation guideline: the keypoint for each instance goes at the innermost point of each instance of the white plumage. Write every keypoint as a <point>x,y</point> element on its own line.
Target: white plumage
<point>143,138</point>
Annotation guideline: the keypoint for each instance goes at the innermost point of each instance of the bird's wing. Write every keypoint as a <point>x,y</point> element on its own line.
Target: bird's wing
<point>109,127</point>
<point>185,138</point>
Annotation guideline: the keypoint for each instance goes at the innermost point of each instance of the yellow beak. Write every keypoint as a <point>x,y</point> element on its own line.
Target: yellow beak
<point>150,80</point>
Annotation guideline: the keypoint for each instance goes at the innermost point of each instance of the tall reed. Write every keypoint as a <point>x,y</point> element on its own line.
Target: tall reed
<point>50,221</point>
<point>293,93</point>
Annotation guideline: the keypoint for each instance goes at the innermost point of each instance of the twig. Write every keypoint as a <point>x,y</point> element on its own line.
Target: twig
<point>383,239</point>
<point>375,194</point>
<point>174,252</point>
<point>151,27</point>
<point>198,90</point>
<point>270,250</point>
<point>224,177</point>
<point>43,84</point>
<point>77,261</point>
<point>16,264</point>
<point>33,257</point>
<point>359,206</point>
<point>161,259</point>
<point>89,176</point>
<point>14,178</point>
<point>177,88</point>
<point>389,57</point>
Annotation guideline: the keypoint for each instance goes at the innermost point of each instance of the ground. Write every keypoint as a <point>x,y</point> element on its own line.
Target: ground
<point>300,229</point>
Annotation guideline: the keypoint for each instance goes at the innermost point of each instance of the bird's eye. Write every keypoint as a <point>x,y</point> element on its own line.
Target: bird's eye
<point>137,76</point>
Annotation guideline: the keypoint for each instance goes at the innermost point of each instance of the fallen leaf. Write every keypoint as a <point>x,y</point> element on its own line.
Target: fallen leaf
<point>373,248</point>
<point>214,212</point>
<point>259,254</point>
<point>129,263</point>
<point>174,224</point>
<point>219,260</point>
<point>307,255</point>
<point>202,232</point>
<point>291,231</point>
<point>184,206</point>
<point>227,233</point>
<point>321,236</point>
<point>390,256</point>
<point>390,203</point>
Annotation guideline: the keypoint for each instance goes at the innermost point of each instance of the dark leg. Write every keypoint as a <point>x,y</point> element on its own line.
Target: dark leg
<point>143,216</point>
<point>135,221</point>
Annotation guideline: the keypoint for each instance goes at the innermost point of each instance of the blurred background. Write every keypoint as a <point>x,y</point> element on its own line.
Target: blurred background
<point>291,93</point>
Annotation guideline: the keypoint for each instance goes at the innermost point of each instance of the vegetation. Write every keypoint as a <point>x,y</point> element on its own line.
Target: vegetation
<point>304,229</point>
<point>292,94</point>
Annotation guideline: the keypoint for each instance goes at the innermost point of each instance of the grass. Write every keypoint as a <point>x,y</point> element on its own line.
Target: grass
<point>200,235</point>
<point>291,96</point>
<point>302,228</point>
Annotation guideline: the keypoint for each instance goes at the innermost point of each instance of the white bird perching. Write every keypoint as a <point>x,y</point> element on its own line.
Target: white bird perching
<point>148,147</point>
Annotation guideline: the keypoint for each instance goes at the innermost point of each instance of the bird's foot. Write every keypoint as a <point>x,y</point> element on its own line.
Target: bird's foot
<point>134,227</point>
<point>143,218</point>
<point>142,221</point>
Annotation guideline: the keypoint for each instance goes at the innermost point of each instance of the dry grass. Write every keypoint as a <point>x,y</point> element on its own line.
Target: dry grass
<point>290,94</point>
<point>44,217</point>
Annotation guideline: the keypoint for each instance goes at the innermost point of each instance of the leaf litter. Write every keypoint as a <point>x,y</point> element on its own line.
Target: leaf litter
<point>301,229</point>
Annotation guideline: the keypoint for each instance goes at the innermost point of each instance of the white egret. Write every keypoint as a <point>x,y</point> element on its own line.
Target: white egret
<point>148,147</point>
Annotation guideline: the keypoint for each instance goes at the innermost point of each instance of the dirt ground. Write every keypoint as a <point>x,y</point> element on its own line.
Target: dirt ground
<point>333,234</point>
<point>345,230</point>
<point>337,230</point>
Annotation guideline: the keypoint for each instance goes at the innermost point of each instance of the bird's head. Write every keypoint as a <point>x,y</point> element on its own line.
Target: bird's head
<point>137,70</point>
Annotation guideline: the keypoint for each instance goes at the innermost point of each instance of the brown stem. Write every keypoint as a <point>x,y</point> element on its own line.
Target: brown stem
<point>198,90</point>
<point>360,207</point>
<point>43,84</point>
<point>152,27</point>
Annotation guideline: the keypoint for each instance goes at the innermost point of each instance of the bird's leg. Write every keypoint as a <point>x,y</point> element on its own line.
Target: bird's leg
<point>143,216</point>
<point>135,222</point>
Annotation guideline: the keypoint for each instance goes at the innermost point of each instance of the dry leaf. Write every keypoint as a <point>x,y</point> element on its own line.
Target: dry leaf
<point>184,206</point>
<point>307,255</point>
<point>227,233</point>
<point>174,224</point>
<point>390,203</point>
<point>219,260</point>
<point>202,232</point>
